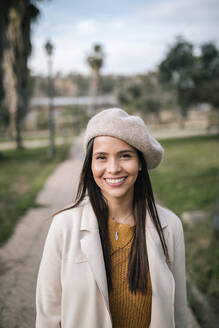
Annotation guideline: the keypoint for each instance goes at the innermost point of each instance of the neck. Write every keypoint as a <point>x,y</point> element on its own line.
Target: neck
<point>121,210</point>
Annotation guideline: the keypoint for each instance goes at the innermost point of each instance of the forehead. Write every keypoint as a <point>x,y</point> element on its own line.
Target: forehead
<point>107,144</point>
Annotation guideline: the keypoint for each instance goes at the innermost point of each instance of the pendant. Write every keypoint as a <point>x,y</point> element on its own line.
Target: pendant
<point>116,235</point>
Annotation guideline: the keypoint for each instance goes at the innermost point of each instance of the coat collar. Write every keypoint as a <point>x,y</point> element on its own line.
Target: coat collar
<point>89,221</point>
<point>162,217</point>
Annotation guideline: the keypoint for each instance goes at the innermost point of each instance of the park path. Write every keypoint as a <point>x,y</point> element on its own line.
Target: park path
<point>20,257</point>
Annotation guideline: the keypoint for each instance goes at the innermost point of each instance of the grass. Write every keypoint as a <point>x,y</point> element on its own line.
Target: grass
<point>188,180</point>
<point>22,175</point>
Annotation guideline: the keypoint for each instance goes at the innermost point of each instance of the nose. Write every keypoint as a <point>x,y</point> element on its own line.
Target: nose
<point>113,166</point>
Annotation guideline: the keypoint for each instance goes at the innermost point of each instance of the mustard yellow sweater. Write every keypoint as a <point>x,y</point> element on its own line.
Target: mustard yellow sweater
<point>127,309</point>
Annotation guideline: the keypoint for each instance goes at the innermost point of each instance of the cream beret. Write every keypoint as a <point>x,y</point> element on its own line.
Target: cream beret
<point>115,122</point>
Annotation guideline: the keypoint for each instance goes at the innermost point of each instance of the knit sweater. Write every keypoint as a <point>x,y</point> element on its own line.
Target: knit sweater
<point>127,309</point>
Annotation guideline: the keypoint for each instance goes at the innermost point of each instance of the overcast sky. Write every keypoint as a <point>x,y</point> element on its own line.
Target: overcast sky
<point>135,34</point>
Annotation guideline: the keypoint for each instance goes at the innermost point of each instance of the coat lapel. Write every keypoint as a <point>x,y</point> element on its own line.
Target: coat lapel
<point>161,279</point>
<point>92,248</point>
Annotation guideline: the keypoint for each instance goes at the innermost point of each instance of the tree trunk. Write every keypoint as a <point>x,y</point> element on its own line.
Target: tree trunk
<point>16,48</point>
<point>183,117</point>
<point>94,89</point>
<point>18,139</point>
<point>9,83</point>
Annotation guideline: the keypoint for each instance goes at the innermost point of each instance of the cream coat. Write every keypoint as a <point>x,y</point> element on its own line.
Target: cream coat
<point>72,287</point>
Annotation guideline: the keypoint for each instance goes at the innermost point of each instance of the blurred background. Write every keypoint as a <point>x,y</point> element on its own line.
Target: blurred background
<point>63,61</point>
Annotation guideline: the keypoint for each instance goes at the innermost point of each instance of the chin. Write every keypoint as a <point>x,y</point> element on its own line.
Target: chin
<point>116,194</point>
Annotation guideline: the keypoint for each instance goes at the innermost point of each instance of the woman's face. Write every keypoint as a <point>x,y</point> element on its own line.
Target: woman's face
<point>115,167</point>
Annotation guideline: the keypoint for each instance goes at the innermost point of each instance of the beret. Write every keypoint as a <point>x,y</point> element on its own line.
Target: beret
<point>115,122</point>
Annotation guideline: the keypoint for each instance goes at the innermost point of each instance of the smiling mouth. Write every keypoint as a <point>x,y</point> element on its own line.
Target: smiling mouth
<point>115,180</point>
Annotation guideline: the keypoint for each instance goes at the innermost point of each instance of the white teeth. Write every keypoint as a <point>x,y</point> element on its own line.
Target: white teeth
<point>115,180</point>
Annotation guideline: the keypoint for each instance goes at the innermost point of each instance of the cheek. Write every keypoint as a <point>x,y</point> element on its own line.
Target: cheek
<point>133,168</point>
<point>97,170</point>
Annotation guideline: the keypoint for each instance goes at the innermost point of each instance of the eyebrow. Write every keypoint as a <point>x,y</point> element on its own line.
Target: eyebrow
<point>120,152</point>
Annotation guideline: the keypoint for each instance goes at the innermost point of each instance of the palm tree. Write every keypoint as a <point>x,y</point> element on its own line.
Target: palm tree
<point>15,48</point>
<point>95,61</point>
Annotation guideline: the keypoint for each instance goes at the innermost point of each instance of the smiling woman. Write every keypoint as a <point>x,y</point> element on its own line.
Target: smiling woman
<point>114,258</point>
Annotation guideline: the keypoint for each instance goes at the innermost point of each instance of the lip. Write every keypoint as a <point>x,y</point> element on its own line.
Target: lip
<point>117,181</point>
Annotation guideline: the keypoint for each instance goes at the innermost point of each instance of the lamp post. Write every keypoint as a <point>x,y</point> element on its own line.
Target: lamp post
<point>49,50</point>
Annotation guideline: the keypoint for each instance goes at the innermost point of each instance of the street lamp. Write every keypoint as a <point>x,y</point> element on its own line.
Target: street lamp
<point>49,50</point>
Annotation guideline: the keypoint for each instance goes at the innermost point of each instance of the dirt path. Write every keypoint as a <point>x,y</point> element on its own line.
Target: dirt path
<point>20,257</point>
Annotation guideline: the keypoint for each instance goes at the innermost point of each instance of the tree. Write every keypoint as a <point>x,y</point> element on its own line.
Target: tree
<point>15,48</point>
<point>207,75</point>
<point>142,93</point>
<point>95,60</point>
<point>178,69</point>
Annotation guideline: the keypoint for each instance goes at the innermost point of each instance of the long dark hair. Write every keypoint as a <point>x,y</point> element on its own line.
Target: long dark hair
<point>143,201</point>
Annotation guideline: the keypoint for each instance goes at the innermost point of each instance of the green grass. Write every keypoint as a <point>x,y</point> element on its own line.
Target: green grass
<point>22,175</point>
<point>188,180</point>
<point>188,177</point>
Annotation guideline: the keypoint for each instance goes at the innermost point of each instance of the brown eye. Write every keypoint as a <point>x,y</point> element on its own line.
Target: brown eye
<point>100,157</point>
<point>126,155</point>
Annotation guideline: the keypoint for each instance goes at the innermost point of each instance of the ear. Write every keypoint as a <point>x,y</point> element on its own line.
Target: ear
<point>140,167</point>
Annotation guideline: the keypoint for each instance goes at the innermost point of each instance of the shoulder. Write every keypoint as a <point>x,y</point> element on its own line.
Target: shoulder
<point>172,230</point>
<point>69,218</point>
<point>64,233</point>
<point>169,219</point>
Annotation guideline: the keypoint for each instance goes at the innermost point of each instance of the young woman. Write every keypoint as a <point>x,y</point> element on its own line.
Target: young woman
<point>114,258</point>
